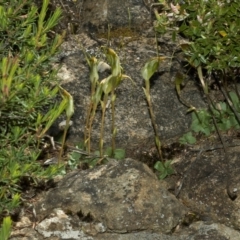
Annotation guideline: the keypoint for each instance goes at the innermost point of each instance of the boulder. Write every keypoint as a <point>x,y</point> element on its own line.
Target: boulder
<point>121,196</point>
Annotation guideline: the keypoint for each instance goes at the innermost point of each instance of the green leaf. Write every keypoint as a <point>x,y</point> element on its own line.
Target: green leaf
<point>234,98</point>
<point>233,121</point>
<point>98,94</point>
<point>164,169</point>
<point>201,122</point>
<point>5,230</point>
<point>187,138</point>
<point>163,175</point>
<point>150,68</point>
<point>107,85</point>
<point>70,107</point>
<point>75,156</point>
<point>223,106</point>
<point>93,162</point>
<point>159,166</point>
<point>228,124</point>
<point>168,167</point>
<point>108,151</point>
<point>119,154</point>
<point>93,70</point>
<point>206,130</point>
<point>97,153</point>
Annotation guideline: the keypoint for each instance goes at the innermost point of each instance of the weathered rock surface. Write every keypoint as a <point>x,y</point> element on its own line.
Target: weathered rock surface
<point>123,196</point>
<point>99,15</point>
<point>132,37</point>
<point>124,200</point>
<point>129,12</point>
<point>207,180</point>
<point>135,132</point>
<point>60,226</point>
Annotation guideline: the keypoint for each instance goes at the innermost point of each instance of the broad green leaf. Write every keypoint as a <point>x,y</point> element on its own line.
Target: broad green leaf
<point>108,151</point>
<point>163,175</point>
<point>75,156</point>
<point>233,121</point>
<point>150,68</point>
<point>107,84</point>
<point>164,169</point>
<point>188,138</point>
<point>159,166</point>
<point>168,163</point>
<point>234,98</point>
<point>223,106</point>
<point>119,154</point>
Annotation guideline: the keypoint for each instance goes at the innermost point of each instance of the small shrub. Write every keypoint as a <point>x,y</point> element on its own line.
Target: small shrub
<point>211,33</point>
<point>28,93</point>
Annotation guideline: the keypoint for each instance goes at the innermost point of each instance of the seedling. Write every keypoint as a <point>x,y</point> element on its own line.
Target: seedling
<point>164,168</point>
<point>96,93</point>
<point>69,112</point>
<point>202,121</point>
<point>187,138</point>
<point>147,72</point>
<point>79,157</point>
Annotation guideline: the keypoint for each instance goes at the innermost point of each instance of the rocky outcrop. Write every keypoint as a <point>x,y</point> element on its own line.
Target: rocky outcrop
<point>208,183</point>
<point>135,133</point>
<point>121,196</point>
<point>133,13</point>
<point>120,200</point>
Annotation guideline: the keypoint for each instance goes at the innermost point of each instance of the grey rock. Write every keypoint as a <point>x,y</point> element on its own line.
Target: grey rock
<point>207,180</point>
<point>99,13</point>
<point>124,196</point>
<point>62,229</point>
<point>201,230</point>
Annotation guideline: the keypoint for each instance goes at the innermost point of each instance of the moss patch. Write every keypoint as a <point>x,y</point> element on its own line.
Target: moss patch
<point>120,33</point>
